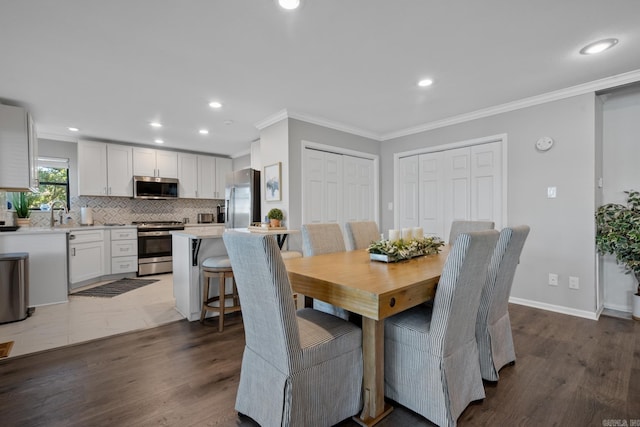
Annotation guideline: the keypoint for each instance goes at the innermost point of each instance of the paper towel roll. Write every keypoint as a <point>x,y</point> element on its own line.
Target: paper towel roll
<point>86,216</point>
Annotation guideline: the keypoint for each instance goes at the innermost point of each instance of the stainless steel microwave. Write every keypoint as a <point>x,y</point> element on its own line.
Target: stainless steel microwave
<point>156,188</point>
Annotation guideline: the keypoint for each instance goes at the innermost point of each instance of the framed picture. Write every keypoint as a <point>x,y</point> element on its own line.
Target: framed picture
<point>272,182</point>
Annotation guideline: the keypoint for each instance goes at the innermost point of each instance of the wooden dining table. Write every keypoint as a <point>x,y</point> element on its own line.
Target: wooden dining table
<point>375,290</point>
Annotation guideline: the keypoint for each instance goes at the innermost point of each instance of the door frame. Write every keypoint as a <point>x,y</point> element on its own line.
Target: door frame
<point>345,151</point>
<point>502,138</point>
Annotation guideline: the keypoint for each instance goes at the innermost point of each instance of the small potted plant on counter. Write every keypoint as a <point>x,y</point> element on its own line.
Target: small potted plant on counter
<point>618,233</point>
<point>21,205</point>
<point>275,216</point>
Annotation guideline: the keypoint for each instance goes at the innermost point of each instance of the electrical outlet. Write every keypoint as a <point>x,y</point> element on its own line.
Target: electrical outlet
<point>551,192</point>
<point>553,279</point>
<point>574,282</point>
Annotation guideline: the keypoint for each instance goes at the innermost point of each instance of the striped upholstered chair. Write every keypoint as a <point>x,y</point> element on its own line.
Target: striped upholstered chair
<point>431,362</point>
<point>360,234</point>
<point>318,239</point>
<point>299,368</point>
<point>493,327</point>
<point>459,227</point>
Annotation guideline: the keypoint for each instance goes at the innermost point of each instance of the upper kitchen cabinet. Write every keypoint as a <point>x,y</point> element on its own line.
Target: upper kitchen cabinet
<point>150,162</point>
<point>202,177</point>
<point>187,176</point>
<point>223,167</point>
<point>104,169</point>
<point>18,150</point>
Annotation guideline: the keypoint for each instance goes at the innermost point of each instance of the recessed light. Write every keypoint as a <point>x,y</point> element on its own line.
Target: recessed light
<point>158,141</point>
<point>289,4</point>
<point>599,46</point>
<point>228,122</point>
<point>425,82</point>
<point>215,104</point>
<point>72,129</point>
<point>156,124</point>
<point>204,131</point>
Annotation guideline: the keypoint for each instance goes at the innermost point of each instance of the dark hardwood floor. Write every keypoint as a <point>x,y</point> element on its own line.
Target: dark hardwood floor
<point>570,372</point>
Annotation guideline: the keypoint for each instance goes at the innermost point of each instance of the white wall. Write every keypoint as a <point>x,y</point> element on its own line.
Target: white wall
<point>274,148</point>
<point>562,229</point>
<point>621,140</point>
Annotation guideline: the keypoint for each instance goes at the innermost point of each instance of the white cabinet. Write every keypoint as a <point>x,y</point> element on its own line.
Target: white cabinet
<point>187,176</point>
<point>223,167</point>
<point>202,177</point>
<point>124,250</point>
<point>150,162</point>
<point>18,150</point>
<point>104,169</point>
<point>86,256</point>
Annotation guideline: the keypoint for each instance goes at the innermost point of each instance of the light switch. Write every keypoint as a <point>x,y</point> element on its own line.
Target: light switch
<point>551,192</point>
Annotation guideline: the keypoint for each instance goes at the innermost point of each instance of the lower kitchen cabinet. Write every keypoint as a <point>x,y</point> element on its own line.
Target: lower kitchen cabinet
<point>124,250</point>
<point>86,256</point>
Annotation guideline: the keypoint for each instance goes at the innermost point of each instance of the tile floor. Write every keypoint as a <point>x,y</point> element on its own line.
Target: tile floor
<point>87,318</point>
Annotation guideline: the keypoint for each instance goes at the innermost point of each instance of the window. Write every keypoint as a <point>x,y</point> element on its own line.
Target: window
<point>53,174</point>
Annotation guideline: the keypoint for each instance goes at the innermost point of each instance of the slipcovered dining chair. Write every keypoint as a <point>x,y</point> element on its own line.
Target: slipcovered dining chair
<point>299,368</point>
<point>360,234</point>
<point>493,326</point>
<point>318,239</point>
<point>431,363</point>
<point>458,227</point>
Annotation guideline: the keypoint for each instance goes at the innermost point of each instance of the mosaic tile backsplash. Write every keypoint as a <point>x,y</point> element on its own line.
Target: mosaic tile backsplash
<point>123,210</point>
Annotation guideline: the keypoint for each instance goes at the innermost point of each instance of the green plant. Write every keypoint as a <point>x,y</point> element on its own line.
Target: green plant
<point>21,202</point>
<point>275,213</point>
<point>618,232</point>
<point>405,249</point>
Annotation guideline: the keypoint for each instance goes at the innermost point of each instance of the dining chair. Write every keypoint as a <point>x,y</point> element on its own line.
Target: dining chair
<point>493,326</point>
<point>319,239</point>
<point>299,368</point>
<point>431,363</point>
<point>458,227</point>
<point>360,234</point>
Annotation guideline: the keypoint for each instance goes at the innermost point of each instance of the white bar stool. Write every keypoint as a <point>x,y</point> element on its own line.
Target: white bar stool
<point>220,267</point>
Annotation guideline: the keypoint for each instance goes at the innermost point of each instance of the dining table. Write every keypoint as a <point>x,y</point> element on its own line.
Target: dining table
<point>375,290</point>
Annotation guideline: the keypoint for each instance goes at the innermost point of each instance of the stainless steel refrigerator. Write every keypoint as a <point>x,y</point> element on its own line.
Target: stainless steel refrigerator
<point>242,198</point>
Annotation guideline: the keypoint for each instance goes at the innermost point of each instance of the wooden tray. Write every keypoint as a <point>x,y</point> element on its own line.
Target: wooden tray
<point>257,229</point>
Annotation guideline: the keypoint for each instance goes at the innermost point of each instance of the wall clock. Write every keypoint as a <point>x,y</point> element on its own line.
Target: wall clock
<point>544,143</point>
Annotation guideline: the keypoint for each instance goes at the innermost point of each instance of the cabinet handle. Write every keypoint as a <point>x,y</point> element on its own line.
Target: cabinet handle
<point>74,252</point>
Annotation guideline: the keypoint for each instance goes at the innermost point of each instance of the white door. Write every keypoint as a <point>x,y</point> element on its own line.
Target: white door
<point>358,189</point>
<point>322,187</point>
<point>92,168</point>
<point>223,167</point>
<point>409,192</point>
<point>206,177</point>
<point>144,161</point>
<point>457,186</point>
<point>166,164</point>
<point>486,179</point>
<point>431,193</point>
<point>187,175</point>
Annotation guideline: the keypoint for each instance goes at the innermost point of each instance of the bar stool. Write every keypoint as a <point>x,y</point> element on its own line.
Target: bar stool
<point>220,267</point>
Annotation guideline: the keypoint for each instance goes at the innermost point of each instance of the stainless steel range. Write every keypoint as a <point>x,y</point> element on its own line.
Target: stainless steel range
<point>154,246</point>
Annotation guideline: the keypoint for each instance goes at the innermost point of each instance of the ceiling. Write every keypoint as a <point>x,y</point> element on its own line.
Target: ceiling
<point>112,67</point>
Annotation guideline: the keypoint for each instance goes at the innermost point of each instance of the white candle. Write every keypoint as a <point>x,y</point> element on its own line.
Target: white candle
<point>394,235</point>
<point>418,233</point>
<point>406,234</point>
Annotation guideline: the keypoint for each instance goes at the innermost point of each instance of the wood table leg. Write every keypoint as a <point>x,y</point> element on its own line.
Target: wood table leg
<point>375,408</point>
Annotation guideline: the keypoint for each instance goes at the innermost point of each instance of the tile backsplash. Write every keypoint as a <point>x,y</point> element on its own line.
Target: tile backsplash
<point>123,210</point>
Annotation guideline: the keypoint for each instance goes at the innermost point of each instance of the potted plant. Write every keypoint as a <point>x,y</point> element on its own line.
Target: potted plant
<point>618,233</point>
<point>21,203</point>
<point>275,216</point>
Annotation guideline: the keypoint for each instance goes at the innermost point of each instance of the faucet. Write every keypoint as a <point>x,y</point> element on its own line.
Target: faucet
<point>53,204</point>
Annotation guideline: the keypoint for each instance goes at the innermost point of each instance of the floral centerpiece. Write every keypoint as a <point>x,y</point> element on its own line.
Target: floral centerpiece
<point>397,250</point>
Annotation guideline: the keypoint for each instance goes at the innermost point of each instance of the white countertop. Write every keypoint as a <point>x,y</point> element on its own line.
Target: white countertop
<point>200,232</point>
<point>63,229</point>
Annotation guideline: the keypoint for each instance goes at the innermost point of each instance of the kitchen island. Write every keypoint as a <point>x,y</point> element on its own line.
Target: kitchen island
<point>190,247</point>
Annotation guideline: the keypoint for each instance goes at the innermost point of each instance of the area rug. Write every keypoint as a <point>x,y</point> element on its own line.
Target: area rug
<point>109,290</point>
<point>5,348</point>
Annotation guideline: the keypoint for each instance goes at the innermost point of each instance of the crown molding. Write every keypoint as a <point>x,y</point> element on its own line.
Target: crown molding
<point>240,154</point>
<point>334,125</point>
<point>57,137</point>
<point>275,118</point>
<point>594,86</point>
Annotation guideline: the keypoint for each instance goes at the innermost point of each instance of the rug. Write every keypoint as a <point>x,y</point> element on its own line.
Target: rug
<point>5,348</point>
<point>109,290</point>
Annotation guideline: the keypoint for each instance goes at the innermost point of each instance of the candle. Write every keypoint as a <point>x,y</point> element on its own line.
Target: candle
<point>418,233</point>
<point>406,234</point>
<point>394,235</point>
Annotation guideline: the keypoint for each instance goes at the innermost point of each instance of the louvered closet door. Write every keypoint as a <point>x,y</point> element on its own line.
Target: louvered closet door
<point>408,199</point>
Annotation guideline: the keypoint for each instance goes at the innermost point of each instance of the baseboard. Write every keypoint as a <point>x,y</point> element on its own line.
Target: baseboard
<point>618,307</point>
<point>556,308</point>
